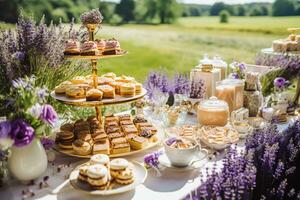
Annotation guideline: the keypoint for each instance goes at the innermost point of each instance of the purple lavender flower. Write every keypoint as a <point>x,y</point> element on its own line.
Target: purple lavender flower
<point>92,17</point>
<point>234,75</point>
<point>180,84</point>
<point>280,83</point>
<point>48,115</point>
<point>19,55</point>
<point>152,159</point>
<point>197,89</point>
<point>21,132</point>
<point>5,128</point>
<point>42,94</point>
<point>47,143</point>
<point>19,83</point>
<point>171,140</point>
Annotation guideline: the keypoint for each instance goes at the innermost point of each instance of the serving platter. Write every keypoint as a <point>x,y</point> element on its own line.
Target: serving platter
<point>80,57</point>
<point>82,102</point>
<point>140,175</point>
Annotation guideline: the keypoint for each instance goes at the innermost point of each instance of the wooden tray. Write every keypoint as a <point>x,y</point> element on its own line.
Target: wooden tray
<point>132,152</point>
<point>82,102</point>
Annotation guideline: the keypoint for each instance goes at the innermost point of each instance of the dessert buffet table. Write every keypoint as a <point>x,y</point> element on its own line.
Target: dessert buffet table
<point>170,184</point>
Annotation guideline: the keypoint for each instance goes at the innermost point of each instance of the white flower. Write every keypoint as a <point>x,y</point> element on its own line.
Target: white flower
<point>5,143</point>
<point>35,111</point>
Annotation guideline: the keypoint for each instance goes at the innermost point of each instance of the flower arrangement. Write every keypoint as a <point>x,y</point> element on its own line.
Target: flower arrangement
<point>266,170</point>
<point>280,83</point>
<point>29,116</point>
<point>197,89</point>
<point>238,70</point>
<point>91,17</point>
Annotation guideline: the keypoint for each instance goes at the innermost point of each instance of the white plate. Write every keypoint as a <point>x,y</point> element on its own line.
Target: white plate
<point>218,147</point>
<point>140,175</point>
<point>195,164</point>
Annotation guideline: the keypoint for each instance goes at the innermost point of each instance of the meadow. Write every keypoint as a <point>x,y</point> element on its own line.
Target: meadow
<point>178,47</point>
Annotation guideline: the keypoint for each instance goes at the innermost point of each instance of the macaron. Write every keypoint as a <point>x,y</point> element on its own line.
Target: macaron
<point>100,159</point>
<point>67,127</point>
<point>119,164</point>
<point>83,173</point>
<point>97,176</point>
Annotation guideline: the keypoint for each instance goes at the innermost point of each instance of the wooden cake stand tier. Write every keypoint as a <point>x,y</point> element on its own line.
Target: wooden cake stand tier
<point>104,102</point>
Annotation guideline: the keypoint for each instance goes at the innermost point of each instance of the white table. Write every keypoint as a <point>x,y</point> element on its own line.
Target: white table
<point>170,185</point>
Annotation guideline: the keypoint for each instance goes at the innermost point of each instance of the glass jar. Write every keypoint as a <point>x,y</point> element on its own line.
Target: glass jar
<point>213,112</point>
<point>222,65</point>
<point>231,91</point>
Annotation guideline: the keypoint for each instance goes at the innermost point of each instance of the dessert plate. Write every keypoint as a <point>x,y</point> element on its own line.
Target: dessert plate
<point>140,175</point>
<point>195,163</point>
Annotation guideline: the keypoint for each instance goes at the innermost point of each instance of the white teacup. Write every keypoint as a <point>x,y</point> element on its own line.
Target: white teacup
<point>183,157</point>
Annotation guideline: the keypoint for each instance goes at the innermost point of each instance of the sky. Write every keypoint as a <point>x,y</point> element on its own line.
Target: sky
<point>213,1</point>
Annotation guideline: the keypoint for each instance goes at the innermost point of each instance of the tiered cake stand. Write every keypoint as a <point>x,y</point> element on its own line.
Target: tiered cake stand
<point>104,102</point>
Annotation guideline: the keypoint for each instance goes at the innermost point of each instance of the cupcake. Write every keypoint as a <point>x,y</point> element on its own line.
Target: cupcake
<point>89,49</point>
<point>72,48</point>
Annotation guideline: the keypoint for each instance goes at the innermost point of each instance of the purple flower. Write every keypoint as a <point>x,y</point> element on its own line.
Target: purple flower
<point>242,66</point>
<point>234,75</point>
<point>35,111</point>
<point>92,17</point>
<point>21,132</point>
<point>197,89</point>
<point>47,143</point>
<point>280,82</point>
<point>42,94</point>
<point>5,128</point>
<point>152,159</point>
<point>19,83</point>
<point>19,55</point>
<point>48,114</point>
<point>171,140</point>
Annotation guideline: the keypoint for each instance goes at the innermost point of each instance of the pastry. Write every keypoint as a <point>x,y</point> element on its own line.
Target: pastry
<point>72,48</point>
<point>67,127</point>
<point>82,147</point>
<point>99,135</point>
<point>121,148</point>
<point>83,173</point>
<point>138,88</point>
<point>111,118</point>
<point>139,120</point>
<point>125,117</point>
<point>98,176</point>
<point>78,80</point>
<point>127,90</point>
<point>117,86</point>
<point>121,172</point>
<point>112,47</point>
<point>108,91</point>
<point>147,133</point>
<point>104,80</point>
<point>75,92</point>
<point>101,147</point>
<point>142,124</point>
<point>110,75</point>
<point>125,79</point>
<point>119,140</point>
<point>89,49</point>
<point>115,135</point>
<point>129,136</point>
<point>112,129</point>
<point>111,124</point>
<point>65,139</point>
<point>94,95</point>
<point>85,136</point>
<point>127,129</point>
<point>102,159</point>
<point>126,122</point>
<point>61,88</point>
<point>100,44</point>
<point>138,142</point>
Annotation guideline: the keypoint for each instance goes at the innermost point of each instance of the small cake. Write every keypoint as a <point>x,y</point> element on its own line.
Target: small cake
<point>112,129</point>
<point>292,46</point>
<point>280,45</point>
<point>94,95</point>
<point>120,145</point>
<point>112,47</point>
<point>117,86</point>
<point>142,124</point>
<point>83,173</point>
<point>138,142</point>
<point>99,135</point>
<point>110,75</point>
<point>108,91</point>
<point>111,118</point>
<point>65,139</point>
<point>98,176</point>
<point>81,147</point>
<point>101,147</point>
<point>89,49</point>
<point>124,117</point>
<point>127,90</point>
<point>78,80</point>
<point>125,79</point>
<point>102,159</point>
<point>138,119</point>
<point>100,45</point>
<point>126,122</point>
<point>75,92</point>
<point>111,124</point>
<point>138,88</point>
<point>85,136</point>
<point>72,48</point>
<point>147,133</point>
<point>67,127</point>
<point>115,135</point>
<point>121,172</point>
<point>104,81</point>
<point>127,129</point>
<point>61,88</point>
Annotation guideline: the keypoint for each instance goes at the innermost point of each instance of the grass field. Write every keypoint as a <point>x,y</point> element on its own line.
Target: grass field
<point>178,47</point>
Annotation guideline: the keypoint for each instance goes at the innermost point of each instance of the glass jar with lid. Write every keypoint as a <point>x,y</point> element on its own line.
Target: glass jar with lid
<point>231,91</point>
<point>213,112</point>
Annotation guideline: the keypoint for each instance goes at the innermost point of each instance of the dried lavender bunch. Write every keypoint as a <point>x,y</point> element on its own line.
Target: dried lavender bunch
<point>197,89</point>
<point>92,17</point>
<point>180,84</point>
<point>156,81</point>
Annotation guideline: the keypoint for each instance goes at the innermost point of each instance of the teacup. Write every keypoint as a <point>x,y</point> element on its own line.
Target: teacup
<point>183,157</point>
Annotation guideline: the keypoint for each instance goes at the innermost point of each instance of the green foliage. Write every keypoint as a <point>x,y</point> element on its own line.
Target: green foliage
<point>224,16</point>
<point>126,10</point>
<point>217,8</point>
<point>59,14</point>
<point>241,11</point>
<point>283,8</point>
<point>168,11</point>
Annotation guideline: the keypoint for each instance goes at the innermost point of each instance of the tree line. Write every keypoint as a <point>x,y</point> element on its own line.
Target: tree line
<point>137,11</point>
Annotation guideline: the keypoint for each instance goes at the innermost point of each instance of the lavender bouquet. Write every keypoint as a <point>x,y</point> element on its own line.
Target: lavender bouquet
<point>197,89</point>
<point>238,70</point>
<point>91,17</point>
<point>30,116</point>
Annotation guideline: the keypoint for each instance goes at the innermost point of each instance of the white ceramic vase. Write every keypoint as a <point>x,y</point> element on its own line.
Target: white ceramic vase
<point>28,162</point>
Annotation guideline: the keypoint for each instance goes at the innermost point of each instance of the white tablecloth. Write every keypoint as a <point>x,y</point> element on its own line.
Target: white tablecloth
<point>170,185</point>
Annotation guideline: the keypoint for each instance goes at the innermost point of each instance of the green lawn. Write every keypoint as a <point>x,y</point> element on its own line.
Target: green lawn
<point>178,47</point>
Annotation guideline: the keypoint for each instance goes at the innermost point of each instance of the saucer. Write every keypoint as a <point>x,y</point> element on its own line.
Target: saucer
<point>195,163</point>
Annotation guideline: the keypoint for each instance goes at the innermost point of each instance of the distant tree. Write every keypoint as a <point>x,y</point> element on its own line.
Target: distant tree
<point>9,10</point>
<point>224,16</point>
<point>125,9</point>
<point>264,10</point>
<point>241,11</point>
<point>106,10</point>
<point>217,8</point>
<point>255,11</point>
<point>151,9</point>
<point>194,11</point>
<point>283,8</point>
<point>168,11</point>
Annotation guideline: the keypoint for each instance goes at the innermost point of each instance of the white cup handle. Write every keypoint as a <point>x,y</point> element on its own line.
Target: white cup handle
<point>205,151</point>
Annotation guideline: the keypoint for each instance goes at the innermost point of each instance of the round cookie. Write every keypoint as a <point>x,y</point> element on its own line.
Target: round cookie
<point>97,176</point>
<point>100,159</point>
<point>81,147</point>
<point>83,173</point>
<point>119,164</point>
<point>67,127</point>
<point>125,182</point>
<point>122,174</point>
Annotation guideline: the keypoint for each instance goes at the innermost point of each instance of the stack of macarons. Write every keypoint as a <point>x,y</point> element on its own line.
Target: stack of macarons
<point>65,139</point>
<point>99,172</point>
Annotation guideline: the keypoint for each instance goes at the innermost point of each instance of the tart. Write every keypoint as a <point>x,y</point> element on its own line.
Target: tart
<point>75,92</point>
<point>108,91</point>
<point>94,95</point>
<point>127,90</point>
